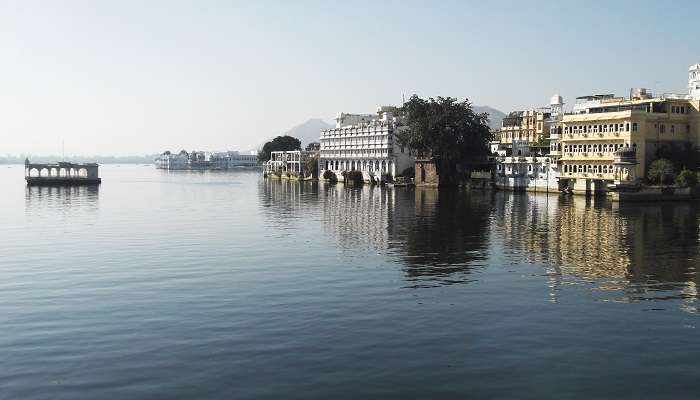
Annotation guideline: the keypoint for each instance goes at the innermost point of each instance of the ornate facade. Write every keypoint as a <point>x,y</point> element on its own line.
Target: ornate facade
<point>365,143</point>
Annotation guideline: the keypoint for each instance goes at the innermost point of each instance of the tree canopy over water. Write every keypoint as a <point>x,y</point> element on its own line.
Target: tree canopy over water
<point>280,143</point>
<point>445,129</point>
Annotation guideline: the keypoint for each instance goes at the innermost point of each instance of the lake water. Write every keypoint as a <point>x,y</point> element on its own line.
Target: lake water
<point>222,285</point>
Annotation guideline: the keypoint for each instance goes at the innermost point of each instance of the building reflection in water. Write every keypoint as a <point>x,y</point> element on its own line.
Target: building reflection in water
<point>437,236</point>
<point>358,217</point>
<point>68,199</point>
<point>639,252</point>
<point>445,238</point>
<point>626,252</point>
<point>286,203</point>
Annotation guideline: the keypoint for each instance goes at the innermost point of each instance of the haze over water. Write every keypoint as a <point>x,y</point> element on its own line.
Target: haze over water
<point>222,285</point>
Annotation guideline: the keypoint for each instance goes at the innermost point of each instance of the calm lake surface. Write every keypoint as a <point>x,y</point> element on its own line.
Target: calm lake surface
<point>223,285</point>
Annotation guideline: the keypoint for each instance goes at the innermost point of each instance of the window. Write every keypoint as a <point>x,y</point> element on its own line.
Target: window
<point>662,128</point>
<point>673,129</point>
<point>627,127</point>
<point>634,127</point>
<point>687,129</point>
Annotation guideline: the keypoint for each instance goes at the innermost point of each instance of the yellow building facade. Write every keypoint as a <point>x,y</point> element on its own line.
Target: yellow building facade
<point>589,140</point>
<point>528,126</point>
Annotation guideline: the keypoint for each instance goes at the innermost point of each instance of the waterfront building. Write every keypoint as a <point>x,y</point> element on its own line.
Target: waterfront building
<point>167,160</point>
<point>526,150</point>
<point>288,163</point>
<point>233,159</point>
<point>366,143</point>
<point>633,131</point>
<point>530,126</point>
<point>527,172</point>
<point>205,160</point>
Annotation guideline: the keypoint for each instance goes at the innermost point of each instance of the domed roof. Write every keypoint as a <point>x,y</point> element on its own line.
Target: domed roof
<point>694,67</point>
<point>556,99</point>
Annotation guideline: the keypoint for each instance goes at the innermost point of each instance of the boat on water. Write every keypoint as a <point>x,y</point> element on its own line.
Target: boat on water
<point>61,174</point>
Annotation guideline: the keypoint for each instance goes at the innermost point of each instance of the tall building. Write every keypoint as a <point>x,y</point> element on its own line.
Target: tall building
<point>694,82</point>
<point>612,140</point>
<point>366,143</point>
<point>525,126</point>
<point>524,146</point>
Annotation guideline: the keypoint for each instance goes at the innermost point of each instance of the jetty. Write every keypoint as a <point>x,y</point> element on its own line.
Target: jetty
<point>61,174</point>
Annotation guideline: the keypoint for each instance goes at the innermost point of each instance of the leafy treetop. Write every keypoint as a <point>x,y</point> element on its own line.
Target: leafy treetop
<point>280,143</point>
<point>444,128</point>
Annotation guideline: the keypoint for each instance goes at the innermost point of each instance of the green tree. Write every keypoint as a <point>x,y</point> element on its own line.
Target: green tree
<point>311,166</point>
<point>446,130</point>
<point>280,143</point>
<point>687,178</point>
<point>660,171</point>
<point>683,156</point>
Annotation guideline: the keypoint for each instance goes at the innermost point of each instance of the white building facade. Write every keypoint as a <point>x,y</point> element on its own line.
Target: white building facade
<point>205,160</point>
<point>694,82</point>
<point>366,143</point>
<point>233,159</point>
<point>518,168</point>
<point>288,162</point>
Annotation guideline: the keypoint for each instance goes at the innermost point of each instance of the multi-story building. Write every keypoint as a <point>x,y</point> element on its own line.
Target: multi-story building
<point>531,126</point>
<point>365,143</point>
<point>526,140</point>
<point>556,105</point>
<point>631,131</point>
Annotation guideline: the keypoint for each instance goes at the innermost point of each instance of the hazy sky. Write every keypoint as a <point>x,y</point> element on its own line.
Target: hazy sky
<point>139,77</point>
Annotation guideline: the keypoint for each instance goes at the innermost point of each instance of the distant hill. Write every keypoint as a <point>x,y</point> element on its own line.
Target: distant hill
<point>309,131</point>
<point>495,116</point>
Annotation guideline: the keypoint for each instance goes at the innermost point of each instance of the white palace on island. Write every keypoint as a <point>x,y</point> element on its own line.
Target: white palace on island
<point>366,143</point>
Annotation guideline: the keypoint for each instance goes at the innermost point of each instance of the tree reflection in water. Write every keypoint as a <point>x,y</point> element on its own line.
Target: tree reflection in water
<point>446,238</point>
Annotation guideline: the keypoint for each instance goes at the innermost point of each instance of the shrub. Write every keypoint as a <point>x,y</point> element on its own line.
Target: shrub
<point>409,172</point>
<point>355,177</point>
<point>660,171</point>
<point>330,176</point>
<point>687,178</point>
